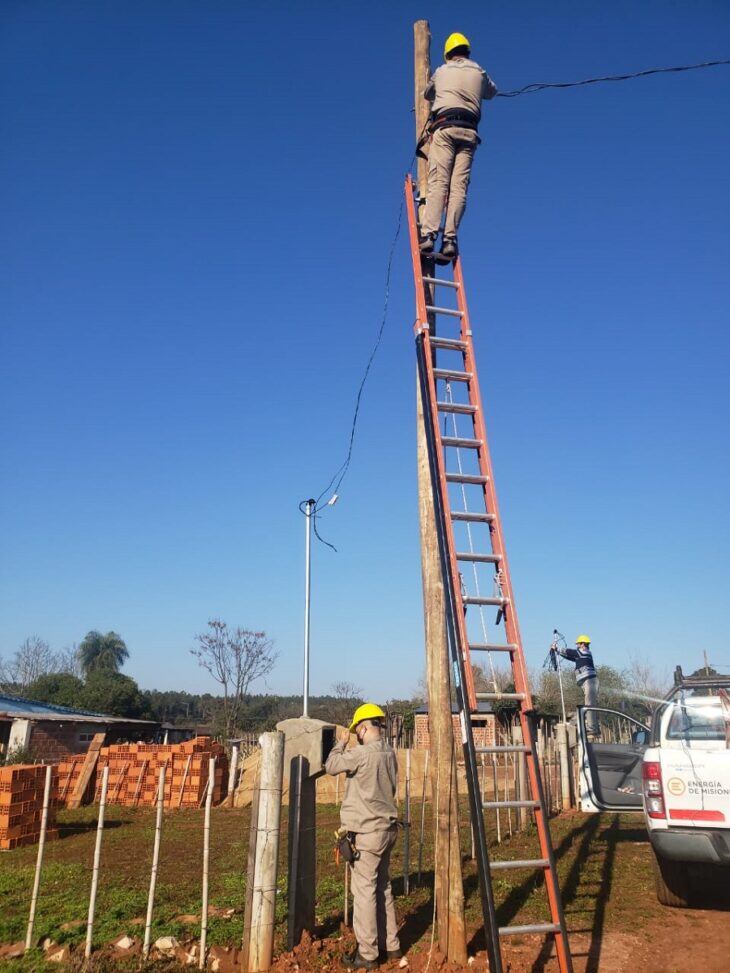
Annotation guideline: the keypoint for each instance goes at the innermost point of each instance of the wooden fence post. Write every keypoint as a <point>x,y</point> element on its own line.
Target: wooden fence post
<point>206,862</point>
<point>39,858</point>
<point>155,862</point>
<point>263,901</point>
<point>97,861</point>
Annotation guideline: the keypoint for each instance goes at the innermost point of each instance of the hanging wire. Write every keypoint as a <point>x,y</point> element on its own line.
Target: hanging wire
<point>542,86</point>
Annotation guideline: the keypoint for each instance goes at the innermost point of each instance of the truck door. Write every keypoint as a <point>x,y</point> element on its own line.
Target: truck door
<point>610,762</point>
<point>695,764</point>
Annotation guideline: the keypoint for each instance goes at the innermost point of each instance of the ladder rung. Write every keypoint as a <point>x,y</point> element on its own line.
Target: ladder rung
<point>491,647</point>
<point>465,478</point>
<point>449,375</point>
<point>495,697</point>
<point>504,748</point>
<point>537,927</point>
<point>478,600</point>
<point>432,309</point>
<point>521,863</point>
<point>481,558</point>
<point>461,407</point>
<point>473,517</point>
<point>496,804</point>
<point>438,280</point>
<point>453,343</point>
<point>458,442</point>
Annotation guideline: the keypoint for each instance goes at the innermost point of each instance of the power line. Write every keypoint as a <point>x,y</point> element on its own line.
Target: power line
<point>340,474</point>
<point>542,85</point>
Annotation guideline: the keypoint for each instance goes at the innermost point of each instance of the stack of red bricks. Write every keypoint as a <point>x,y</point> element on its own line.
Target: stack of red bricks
<point>21,805</point>
<point>134,771</point>
<point>65,776</point>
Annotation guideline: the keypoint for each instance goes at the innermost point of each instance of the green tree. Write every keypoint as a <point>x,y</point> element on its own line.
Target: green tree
<point>98,651</point>
<point>58,688</point>
<point>113,694</point>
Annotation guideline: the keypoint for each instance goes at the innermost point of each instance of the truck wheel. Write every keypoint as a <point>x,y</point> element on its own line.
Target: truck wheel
<point>672,882</point>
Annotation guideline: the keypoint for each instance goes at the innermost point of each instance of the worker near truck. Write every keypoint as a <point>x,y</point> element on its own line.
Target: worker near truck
<point>586,677</point>
<point>369,819</point>
<point>456,92</point>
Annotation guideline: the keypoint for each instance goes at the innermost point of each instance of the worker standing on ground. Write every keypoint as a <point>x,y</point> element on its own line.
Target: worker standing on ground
<point>586,677</point>
<point>456,91</point>
<point>369,816</point>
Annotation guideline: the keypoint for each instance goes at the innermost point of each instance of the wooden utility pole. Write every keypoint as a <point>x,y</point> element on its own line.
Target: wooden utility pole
<point>448,884</point>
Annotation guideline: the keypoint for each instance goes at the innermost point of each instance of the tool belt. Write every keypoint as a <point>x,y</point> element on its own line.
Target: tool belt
<point>454,118</point>
<point>345,846</point>
<point>447,118</point>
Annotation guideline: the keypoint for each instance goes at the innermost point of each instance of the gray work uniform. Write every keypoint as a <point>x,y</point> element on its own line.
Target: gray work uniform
<point>458,85</point>
<point>369,811</point>
<point>587,678</point>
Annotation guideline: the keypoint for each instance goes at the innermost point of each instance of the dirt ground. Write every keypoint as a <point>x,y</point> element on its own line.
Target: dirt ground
<point>604,862</point>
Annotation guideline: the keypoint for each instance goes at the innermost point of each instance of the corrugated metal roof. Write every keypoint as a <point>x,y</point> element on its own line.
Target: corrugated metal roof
<point>18,704</point>
<point>20,707</point>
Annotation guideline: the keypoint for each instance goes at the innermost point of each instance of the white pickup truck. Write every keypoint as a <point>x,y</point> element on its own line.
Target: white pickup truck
<point>677,772</point>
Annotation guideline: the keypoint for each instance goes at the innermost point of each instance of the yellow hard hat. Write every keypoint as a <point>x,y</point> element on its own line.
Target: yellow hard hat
<point>583,640</point>
<point>455,40</point>
<point>368,711</point>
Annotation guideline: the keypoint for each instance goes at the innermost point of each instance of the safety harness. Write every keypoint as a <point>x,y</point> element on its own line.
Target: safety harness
<point>447,118</point>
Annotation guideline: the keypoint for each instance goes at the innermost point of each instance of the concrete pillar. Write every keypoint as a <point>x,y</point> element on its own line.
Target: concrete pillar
<point>522,789</point>
<point>561,737</point>
<point>308,743</point>
<point>302,850</point>
<point>232,771</point>
<point>19,735</point>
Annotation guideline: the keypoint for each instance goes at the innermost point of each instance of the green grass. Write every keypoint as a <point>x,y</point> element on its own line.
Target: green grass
<point>603,862</point>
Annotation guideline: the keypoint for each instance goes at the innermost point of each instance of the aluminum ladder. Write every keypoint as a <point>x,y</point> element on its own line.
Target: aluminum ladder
<point>465,505</point>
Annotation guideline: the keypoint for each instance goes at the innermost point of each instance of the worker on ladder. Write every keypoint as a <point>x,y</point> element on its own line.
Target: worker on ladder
<point>456,91</point>
<point>369,817</point>
<point>586,677</point>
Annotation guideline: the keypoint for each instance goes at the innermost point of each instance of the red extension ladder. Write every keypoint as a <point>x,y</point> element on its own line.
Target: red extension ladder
<point>475,569</point>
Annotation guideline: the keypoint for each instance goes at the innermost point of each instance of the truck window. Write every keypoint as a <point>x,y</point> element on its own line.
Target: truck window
<point>696,723</point>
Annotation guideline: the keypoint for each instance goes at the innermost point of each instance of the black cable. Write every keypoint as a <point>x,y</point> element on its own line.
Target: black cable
<point>339,475</point>
<point>541,86</point>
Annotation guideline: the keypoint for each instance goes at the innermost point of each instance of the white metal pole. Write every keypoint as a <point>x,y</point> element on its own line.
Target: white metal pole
<point>155,862</point>
<point>562,696</point>
<point>97,859</point>
<point>407,828</point>
<point>423,818</point>
<point>206,863</point>
<point>310,505</point>
<point>347,894</point>
<point>39,859</point>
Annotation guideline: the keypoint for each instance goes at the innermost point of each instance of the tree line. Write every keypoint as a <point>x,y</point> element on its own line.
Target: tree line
<point>88,677</point>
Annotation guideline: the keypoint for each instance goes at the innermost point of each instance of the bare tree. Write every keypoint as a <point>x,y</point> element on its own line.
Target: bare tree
<point>645,685</point>
<point>69,661</point>
<point>33,658</point>
<point>347,697</point>
<point>235,659</point>
<point>487,680</point>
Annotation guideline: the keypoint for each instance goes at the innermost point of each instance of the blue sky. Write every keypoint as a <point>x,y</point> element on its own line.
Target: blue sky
<point>197,204</point>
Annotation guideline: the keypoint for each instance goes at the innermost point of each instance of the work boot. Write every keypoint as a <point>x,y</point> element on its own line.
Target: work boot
<point>390,954</point>
<point>449,248</point>
<point>427,243</point>
<point>354,961</point>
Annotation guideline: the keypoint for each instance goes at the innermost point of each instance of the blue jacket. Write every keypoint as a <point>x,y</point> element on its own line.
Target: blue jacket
<point>584,668</point>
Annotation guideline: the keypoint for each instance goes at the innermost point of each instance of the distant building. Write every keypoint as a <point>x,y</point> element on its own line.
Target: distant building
<point>484,726</point>
<point>53,733</point>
